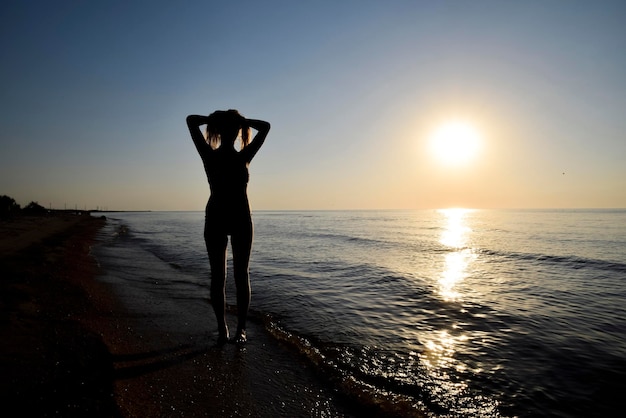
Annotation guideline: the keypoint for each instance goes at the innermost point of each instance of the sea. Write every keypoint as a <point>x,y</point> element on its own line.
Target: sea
<point>452,312</point>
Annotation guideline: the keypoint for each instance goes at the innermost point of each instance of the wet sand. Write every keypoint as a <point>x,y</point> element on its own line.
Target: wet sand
<point>75,343</point>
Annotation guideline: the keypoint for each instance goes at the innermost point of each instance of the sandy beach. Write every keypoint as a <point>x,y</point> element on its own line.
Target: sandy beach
<point>76,345</point>
<point>52,361</point>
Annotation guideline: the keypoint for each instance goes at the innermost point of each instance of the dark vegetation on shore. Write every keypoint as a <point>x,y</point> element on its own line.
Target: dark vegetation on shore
<point>9,208</point>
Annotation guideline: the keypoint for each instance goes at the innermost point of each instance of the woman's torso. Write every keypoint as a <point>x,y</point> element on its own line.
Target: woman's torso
<point>227,173</point>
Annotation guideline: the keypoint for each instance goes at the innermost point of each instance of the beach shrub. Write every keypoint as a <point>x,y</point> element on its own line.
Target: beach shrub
<point>8,206</point>
<point>34,208</point>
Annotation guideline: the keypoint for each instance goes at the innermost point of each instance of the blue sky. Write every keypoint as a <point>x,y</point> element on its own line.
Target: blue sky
<point>95,96</point>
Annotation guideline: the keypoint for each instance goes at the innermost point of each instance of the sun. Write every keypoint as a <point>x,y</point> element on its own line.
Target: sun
<point>455,143</point>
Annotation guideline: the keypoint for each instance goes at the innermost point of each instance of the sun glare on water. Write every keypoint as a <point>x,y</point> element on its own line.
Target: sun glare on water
<point>455,143</point>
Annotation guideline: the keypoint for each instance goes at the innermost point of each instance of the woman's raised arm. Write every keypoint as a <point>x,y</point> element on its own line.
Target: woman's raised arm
<point>262,129</point>
<point>193,123</point>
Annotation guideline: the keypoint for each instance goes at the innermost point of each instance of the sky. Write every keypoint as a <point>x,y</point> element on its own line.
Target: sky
<point>95,94</point>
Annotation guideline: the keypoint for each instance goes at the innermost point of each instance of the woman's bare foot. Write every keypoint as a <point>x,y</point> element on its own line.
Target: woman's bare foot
<point>240,338</point>
<point>223,336</point>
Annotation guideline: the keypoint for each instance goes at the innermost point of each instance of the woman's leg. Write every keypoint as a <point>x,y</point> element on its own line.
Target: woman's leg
<point>241,242</point>
<point>216,244</point>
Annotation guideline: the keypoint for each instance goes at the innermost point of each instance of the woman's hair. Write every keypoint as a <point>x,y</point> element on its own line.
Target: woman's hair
<point>226,122</point>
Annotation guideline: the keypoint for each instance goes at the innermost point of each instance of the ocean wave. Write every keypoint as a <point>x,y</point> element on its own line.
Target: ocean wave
<point>572,262</point>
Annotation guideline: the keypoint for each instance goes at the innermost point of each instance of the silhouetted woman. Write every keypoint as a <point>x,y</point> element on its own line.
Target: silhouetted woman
<point>228,211</point>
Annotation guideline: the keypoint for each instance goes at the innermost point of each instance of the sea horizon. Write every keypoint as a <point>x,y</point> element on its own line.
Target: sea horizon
<point>538,209</point>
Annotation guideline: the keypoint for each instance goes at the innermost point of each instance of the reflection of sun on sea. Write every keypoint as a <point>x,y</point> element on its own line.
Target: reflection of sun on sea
<point>454,236</point>
<point>440,350</point>
<point>440,347</point>
<point>455,232</point>
<point>455,143</point>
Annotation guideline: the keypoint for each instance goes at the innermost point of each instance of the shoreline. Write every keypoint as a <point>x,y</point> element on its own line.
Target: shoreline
<point>167,360</point>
